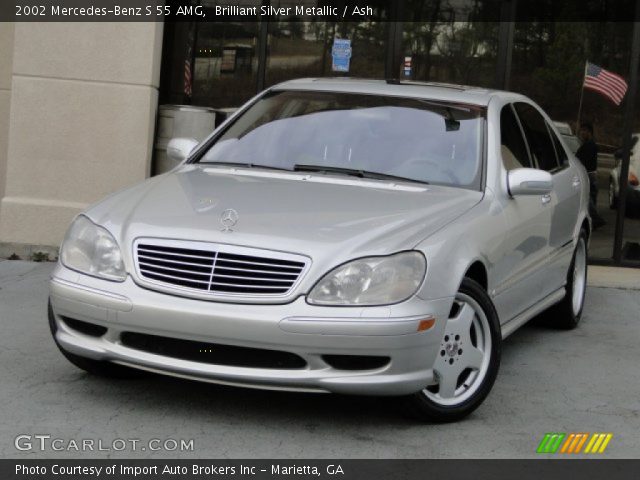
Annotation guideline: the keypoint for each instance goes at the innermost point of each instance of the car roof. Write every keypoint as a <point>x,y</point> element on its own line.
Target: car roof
<point>431,90</point>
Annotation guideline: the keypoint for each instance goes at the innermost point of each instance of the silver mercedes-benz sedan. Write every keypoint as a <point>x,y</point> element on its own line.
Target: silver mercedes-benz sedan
<point>335,235</point>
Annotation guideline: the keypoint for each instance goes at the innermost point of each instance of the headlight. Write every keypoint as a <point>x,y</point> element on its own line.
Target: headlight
<point>91,249</point>
<point>371,281</point>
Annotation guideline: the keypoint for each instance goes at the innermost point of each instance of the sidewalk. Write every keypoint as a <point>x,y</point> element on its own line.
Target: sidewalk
<point>613,277</point>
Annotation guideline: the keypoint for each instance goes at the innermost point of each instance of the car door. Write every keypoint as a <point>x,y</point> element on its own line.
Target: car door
<point>520,272</point>
<point>567,189</point>
<point>563,202</point>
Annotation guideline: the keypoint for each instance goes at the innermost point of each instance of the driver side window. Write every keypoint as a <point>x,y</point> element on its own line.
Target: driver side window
<point>513,148</point>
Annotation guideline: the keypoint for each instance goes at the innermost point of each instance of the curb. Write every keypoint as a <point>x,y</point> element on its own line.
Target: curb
<point>613,277</point>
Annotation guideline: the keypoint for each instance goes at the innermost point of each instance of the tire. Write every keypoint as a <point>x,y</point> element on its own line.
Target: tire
<point>567,313</point>
<point>94,367</point>
<point>613,199</point>
<point>474,328</point>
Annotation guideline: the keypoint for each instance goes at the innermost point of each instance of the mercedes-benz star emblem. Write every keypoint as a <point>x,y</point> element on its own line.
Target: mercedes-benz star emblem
<point>228,219</point>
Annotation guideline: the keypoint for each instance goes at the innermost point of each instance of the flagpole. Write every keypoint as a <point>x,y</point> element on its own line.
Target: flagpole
<point>581,97</point>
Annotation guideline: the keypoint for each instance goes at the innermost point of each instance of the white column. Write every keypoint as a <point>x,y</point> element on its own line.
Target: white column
<point>6,61</point>
<point>83,106</point>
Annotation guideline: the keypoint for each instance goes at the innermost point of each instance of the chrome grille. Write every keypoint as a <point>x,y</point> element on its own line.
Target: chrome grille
<point>218,269</point>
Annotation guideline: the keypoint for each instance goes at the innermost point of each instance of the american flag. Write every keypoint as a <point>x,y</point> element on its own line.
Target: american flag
<point>188,63</point>
<point>187,78</point>
<point>607,83</point>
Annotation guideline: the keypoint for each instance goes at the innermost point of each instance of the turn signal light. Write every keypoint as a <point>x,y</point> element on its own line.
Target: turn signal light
<point>633,180</point>
<point>426,324</point>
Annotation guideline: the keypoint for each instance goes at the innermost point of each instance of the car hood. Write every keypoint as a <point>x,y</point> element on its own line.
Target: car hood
<point>325,217</point>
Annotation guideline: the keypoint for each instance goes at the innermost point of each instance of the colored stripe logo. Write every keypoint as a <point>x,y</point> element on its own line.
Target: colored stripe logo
<point>574,443</point>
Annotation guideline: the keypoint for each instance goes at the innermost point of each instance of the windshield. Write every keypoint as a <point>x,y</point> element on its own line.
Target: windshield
<point>343,133</point>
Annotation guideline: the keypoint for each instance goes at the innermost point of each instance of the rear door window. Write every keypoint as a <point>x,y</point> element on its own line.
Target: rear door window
<point>561,153</point>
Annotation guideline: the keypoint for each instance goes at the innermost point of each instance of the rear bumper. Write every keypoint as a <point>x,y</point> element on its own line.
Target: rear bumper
<point>311,332</point>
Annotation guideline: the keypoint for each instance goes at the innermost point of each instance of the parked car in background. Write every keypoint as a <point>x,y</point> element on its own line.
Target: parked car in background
<point>633,186</point>
<point>571,140</point>
<point>563,128</point>
<point>336,235</point>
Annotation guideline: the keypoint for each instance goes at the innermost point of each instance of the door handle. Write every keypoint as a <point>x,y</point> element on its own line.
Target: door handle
<point>576,182</point>
<point>545,198</point>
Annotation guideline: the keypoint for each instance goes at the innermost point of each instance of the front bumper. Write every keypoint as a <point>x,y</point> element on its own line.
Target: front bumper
<point>311,332</point>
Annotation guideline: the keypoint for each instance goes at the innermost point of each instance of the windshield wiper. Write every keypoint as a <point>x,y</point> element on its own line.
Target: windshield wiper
<point>245,165</point>
<point>353,172</point>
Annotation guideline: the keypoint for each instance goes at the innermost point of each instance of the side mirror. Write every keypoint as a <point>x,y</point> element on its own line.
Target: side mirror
<point>179,149</point>
<point>529,181</point>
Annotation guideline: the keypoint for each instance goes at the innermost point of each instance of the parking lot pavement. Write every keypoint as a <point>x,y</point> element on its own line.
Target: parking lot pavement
<point>584,380</point>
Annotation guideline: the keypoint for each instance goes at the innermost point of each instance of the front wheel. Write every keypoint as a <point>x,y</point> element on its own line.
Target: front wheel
<point>468,360</point>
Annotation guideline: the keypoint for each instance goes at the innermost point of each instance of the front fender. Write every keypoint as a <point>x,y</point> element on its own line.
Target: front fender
<point>475,236</point>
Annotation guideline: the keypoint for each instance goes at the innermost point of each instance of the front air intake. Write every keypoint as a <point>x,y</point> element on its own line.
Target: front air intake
<point>212,353</point>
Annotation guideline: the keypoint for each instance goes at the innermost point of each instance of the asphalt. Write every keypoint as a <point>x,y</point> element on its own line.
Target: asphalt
<point>586,380</point>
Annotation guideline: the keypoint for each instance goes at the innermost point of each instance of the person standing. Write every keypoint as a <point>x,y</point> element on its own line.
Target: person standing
<point>588,155</point>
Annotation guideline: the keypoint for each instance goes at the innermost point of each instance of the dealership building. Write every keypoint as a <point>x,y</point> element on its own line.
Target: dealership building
<point>86,108</point>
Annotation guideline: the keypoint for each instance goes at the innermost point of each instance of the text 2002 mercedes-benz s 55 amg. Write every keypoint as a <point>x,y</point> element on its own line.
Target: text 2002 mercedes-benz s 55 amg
<point>335,235</point>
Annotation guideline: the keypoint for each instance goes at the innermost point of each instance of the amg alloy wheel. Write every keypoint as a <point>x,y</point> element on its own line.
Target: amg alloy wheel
<point>567,313</point>
<point>468,359</point>
<point>579,274</point>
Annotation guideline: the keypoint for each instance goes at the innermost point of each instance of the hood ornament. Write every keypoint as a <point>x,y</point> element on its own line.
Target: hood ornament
<point>228,219</point>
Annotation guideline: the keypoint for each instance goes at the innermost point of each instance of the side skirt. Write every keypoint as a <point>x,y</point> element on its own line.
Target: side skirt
<point>516,322</point>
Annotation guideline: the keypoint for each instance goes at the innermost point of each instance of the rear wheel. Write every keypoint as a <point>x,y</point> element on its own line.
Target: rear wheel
<point>94,367</point>
<point>468,361</point>
<point>568,312</point>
